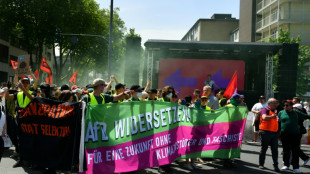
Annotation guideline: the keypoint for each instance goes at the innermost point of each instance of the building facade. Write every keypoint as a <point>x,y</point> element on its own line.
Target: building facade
<point>219,28</point>
<point>10,49</point>
<point>262,19</point>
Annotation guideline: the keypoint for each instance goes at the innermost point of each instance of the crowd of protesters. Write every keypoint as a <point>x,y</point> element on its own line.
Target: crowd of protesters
<point>269,123</point>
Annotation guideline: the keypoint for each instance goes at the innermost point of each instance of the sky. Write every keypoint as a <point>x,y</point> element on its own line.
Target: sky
<point>168,19</point>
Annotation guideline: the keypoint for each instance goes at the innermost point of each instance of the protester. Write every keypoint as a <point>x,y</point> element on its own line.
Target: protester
<point>234,100</point>
<point>290,135</point>
<point>204,102</point>
<point>97,96</point>
<point>256,109</point>
<point>66,96</point>
<point>136,93</point>
<point>23,98</point>
<point>45,91</point>
<point>307,107</point>
<point>302,130</point>
<point>167,93</point>
<point>268,131</point>
<point>222,100</point>
<point>77,94</point>
<point>152,94</point>
<point>159,93</point>
<point>242,103</point>
<point>213,103</point>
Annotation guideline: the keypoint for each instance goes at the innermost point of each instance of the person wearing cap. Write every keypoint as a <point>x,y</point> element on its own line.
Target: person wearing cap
<point>204,101</point>
<point>290,134</point>
<point>77,94</point>
<point>268,131</point>
<point>256,109</point>
<point>213,102</point>
<point>23,98</point>
<point>98,97</point>
<point>234,100</point>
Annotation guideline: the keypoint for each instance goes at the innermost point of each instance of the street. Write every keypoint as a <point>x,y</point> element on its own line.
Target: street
<point>248,163</point>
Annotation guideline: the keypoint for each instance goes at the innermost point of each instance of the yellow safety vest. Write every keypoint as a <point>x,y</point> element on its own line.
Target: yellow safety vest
<point>93,100</point>
<point>221,101</point>
<point>20,99</point>
<point>208,108</point>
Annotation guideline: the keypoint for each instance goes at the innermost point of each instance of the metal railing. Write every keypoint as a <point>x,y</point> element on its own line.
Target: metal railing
<point>274,16</point>
<point>263,4</point>
<point>259,24</point>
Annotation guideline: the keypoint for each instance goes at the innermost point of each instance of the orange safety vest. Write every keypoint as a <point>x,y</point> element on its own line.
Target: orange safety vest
<point>269,125</point>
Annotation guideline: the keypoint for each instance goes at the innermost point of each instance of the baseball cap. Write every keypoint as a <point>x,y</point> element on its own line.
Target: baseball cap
<point>119,86</point>
<point>236,96</point>
<point>98,82</point>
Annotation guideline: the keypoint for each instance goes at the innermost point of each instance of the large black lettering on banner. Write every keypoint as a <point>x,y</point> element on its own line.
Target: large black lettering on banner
<point>50,133</point>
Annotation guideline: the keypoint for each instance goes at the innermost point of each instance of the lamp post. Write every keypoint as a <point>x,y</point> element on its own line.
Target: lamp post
<point>110,40</point>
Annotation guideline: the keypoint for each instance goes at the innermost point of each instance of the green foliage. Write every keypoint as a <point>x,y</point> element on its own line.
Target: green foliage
<point>36,21</point>
<point>303,58</point>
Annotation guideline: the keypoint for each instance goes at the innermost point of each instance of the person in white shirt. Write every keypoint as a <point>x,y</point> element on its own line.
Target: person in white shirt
<point>256,109</point>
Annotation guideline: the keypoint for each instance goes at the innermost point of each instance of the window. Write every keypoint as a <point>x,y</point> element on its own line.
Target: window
<point>4,53</point>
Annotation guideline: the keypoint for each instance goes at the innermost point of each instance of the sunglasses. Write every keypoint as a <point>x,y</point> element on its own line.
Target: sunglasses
<point>287,105</point>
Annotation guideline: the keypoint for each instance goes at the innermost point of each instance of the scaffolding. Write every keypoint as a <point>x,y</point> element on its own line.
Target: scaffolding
<point>150,66</point>
<point>268,76</point>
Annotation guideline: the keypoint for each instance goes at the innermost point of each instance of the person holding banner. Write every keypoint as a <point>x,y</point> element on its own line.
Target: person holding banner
<point>136,94</point>
<point>23,98</point>
<point>98,97</point>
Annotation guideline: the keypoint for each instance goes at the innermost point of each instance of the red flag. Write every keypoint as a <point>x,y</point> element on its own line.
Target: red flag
<point>36,73</point>
<point>232,87</point>
<point>45,67</point>
<point>73,78</point>
<point>14,64</point>
<point>49,79</point>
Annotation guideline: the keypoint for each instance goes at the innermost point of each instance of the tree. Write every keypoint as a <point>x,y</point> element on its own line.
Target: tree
<point>36,22</point>
<point>303,78</point>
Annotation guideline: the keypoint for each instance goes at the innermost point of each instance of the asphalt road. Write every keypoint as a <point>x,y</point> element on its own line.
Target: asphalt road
<point>248,163</point>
